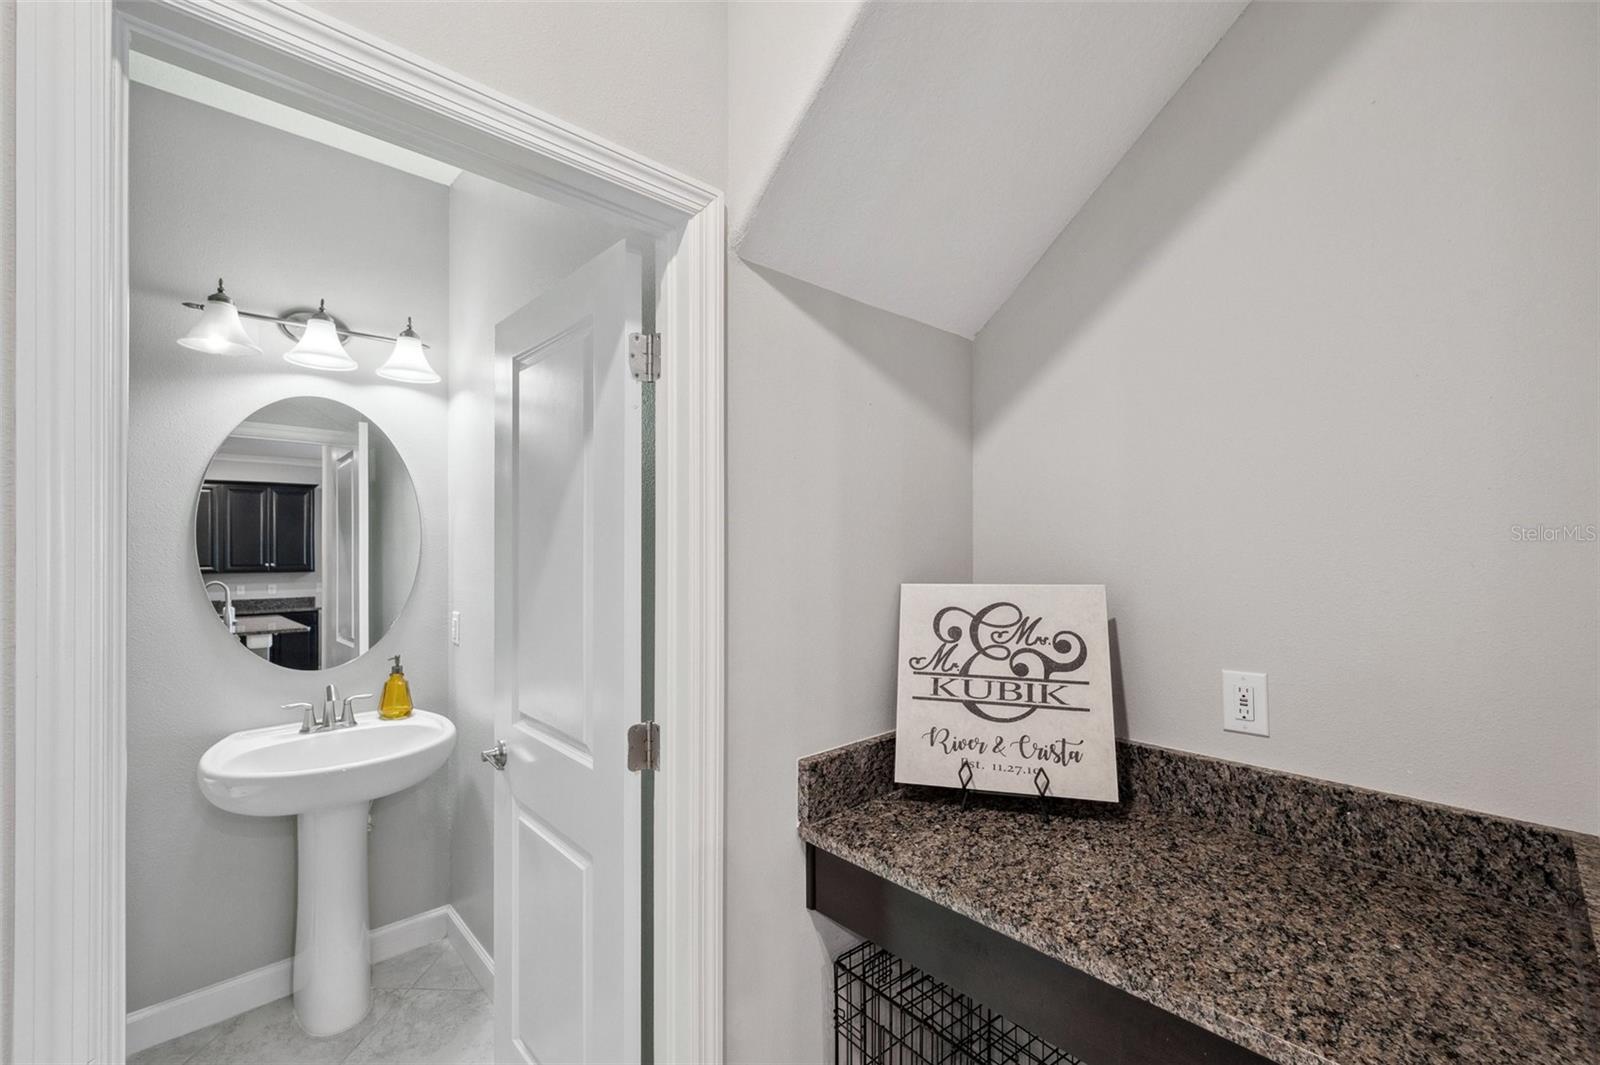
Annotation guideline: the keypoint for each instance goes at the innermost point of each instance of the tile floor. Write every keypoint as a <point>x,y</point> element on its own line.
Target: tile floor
<point>427,1009</point>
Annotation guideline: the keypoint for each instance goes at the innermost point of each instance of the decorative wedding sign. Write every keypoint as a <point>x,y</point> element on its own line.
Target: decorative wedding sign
<point>1001,681</point>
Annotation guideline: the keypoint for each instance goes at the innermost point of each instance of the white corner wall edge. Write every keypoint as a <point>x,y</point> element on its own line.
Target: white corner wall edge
<point>225,999</point>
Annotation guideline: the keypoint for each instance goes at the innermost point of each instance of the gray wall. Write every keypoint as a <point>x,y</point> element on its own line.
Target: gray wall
<point>8,559</point>
<point>849,471</point>
<point>1287,383</point>
<point>285,221</point>
<point>505,247</point>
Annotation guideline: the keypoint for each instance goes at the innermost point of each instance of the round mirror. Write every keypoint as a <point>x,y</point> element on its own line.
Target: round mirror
<point>307,533</point>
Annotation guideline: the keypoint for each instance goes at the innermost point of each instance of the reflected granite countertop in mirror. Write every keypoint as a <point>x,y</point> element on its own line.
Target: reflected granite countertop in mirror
<point>275,605</point>
<point>267,625</point>
<point>1309,922</point>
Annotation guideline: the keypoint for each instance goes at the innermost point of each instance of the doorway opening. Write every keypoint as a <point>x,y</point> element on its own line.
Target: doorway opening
<point>548,576</point>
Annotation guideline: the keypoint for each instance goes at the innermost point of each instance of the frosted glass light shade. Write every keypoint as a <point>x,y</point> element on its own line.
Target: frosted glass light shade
<point>219,331</point>
<point>408,362</point>
<point>319,347</point>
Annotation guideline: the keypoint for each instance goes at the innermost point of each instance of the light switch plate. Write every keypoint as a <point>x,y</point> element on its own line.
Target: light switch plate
<point>1244,702</point>
<point>455,628</point>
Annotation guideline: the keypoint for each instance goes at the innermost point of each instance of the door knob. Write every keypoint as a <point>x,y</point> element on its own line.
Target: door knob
<point>496,755</point>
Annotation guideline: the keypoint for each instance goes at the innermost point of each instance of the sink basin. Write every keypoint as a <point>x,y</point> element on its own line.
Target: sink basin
<point>278,770</point>
<point>328,781</point>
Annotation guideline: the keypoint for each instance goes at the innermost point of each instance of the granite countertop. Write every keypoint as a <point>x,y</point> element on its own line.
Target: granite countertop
<point>274,605</point>
<point>266,624</point>
<point>1309,922</point>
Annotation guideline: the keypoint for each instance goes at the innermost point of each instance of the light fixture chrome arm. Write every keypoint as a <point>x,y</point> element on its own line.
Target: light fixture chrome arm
<point>298,323</point>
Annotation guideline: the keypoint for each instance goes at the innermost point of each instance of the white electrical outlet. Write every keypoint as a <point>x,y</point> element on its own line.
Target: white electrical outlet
<point>272,589</point>
<point>1244,702</point>
<point>455,627</point>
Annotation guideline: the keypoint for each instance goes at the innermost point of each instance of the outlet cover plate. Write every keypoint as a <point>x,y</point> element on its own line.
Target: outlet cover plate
<point>1244,702</point>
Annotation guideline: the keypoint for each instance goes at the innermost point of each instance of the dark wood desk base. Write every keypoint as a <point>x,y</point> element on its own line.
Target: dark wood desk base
<point>1089,1019</point>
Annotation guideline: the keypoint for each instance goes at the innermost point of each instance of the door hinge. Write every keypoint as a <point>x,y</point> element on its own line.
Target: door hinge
<point>644,746</point>
<point>644,356</point>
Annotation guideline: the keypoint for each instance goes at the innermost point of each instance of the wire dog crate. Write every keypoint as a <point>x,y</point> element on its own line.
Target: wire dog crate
<point>886,1012</point>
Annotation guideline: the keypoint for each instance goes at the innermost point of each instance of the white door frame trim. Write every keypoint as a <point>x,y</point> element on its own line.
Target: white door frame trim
<point>71,453</point>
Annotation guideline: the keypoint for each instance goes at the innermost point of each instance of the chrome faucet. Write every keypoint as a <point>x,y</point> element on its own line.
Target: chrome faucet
<point>228,617</point>
<point>308,720</point>
<point>348,718</point>
<point>334,714</point>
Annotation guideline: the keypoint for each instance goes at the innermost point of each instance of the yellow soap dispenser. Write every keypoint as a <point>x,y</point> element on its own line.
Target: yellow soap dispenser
<point>396,694</point>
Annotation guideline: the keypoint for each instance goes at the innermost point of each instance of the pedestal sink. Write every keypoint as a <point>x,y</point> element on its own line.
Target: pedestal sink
<point>328,780</point>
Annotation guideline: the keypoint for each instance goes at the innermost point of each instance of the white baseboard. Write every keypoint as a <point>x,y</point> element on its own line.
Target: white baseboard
<point>409,933</point>
<point>192,1012</point>
<point>479,961</point>
<point>229,998</point>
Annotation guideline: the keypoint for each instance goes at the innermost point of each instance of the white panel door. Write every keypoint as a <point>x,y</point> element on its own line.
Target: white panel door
<point>568,849</point>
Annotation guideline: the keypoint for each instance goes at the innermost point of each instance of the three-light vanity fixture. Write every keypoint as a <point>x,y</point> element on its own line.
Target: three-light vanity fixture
<point>318,346</point>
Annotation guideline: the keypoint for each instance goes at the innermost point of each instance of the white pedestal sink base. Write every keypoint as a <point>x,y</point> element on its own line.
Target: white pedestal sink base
<point>328,778</point>
<point>332,955</point>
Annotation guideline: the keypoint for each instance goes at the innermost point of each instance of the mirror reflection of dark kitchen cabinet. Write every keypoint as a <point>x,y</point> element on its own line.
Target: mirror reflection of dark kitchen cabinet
<point>298,650</point>
<point>243,532</point>
<point>291,519</point>
<point>255,528</point>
